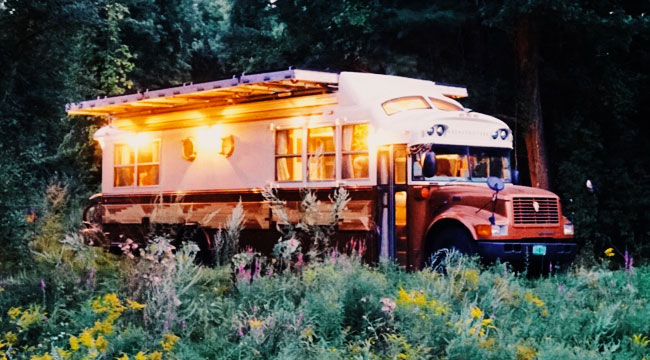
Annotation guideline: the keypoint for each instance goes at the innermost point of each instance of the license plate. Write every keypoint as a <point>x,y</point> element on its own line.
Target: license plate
<point>539,249</point>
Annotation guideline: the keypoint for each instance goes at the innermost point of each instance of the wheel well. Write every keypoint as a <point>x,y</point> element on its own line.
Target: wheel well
<point>438,226</point>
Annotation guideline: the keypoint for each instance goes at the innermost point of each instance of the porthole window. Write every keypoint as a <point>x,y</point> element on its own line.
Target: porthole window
<point>189,149</point>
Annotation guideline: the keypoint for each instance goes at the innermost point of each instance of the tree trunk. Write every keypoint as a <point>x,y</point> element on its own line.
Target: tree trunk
<point>529,106</point>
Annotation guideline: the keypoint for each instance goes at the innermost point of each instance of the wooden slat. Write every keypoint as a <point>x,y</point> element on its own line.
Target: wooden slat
<point>264,110</point>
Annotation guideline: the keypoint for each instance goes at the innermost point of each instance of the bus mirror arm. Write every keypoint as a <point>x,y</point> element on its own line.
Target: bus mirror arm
<point>515,177</point>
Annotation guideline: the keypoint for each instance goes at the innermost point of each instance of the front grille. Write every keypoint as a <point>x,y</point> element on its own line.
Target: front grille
<point>524,210</point>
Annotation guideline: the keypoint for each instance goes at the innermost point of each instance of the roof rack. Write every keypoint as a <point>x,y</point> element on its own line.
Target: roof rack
<point>237,90</point>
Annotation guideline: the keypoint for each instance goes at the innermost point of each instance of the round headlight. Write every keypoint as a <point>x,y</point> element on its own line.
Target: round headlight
<point>440,129</point>
<point>431,130</point>
<point>495,135</point>
<point>503,133</point>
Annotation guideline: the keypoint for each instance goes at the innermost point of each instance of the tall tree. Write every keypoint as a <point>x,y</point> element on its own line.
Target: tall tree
<point>529,102</point>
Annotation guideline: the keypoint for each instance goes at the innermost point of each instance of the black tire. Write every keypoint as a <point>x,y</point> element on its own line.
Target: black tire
<point>451,238</point>
<point>198,235</point>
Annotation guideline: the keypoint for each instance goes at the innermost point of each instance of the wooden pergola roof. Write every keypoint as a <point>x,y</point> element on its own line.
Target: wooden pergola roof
<point>231,100</point>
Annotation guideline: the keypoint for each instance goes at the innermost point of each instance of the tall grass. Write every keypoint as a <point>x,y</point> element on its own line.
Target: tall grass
<point>161,305</point>
<point>334,308</point>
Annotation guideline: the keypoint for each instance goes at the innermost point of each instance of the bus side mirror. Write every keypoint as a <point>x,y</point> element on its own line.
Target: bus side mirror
<point>515,177</point>
<point>429,164</point>
<point>495,183</point>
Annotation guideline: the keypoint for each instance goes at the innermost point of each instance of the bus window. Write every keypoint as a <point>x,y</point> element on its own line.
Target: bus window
<point>395,106</point>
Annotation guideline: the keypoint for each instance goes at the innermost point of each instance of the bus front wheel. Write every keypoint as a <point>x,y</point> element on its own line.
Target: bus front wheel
<point>449,238</point>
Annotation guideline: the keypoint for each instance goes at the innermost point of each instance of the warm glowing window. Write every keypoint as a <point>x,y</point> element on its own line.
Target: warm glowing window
<point>354,152</point>
<point>288,155</point>
<point>124,169</point>
<point>137,166</point>
<point>321,153</point>
<point>444,105</point>
<point>405,103</point>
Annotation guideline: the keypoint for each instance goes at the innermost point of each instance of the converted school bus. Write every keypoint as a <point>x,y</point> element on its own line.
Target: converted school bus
<point>415,161</point>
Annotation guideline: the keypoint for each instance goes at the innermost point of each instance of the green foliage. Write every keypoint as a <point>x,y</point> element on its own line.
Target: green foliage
<point>593,83</point>
<point>336,308</point>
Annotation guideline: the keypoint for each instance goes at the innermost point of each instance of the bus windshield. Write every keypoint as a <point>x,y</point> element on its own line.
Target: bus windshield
<point>462,163</point>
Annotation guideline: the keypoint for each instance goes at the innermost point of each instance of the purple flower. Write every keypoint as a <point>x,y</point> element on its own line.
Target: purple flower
<point>299,261</point>
<point>43,285</point>
<point>560,288</point>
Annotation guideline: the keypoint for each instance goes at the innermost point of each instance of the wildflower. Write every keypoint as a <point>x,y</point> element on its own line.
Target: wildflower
<point>110,303</point>
<point>135,305</point>
<point>487,323</point>
<point>86,338</point>
<point>629,263</point>
<point>42,357</point>
<point>105,326</point>
<point>419,299</point>
<point>476,312</point>
<point>472,278</point>
<point>140,356</point>
<point>525,352</point>
<point>487,343</point>
<point>609,252</point>
<point>640,340</point>
<point>30,317</point>
<point>14,312</point>
<point>156,355</point>
<point>63,353</point>
<point>308,333</point>
<point>534,299</point>
<point>388,305</point>
<point>123,357</point>
<point>11,338</point>
<point>74,343</point>
<point>169,341</point>
<point>101,344</point>
<point>254,324</point>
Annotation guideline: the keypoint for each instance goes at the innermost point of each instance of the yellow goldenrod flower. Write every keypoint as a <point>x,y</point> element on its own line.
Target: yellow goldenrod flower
<point>525,352</point>
<point>487,323</point>
<point>101,344</point>
<point>11,338</point>
<point>169,341</point>
<point>14,312</point>
<point>476,312</point>
<point>487,343</point>
<point>140,356</point>
<point>109,303</point>
<point>534,299</point>
<point>254,324</point>
<point>42,357</point>
<point>472,278</point>
<point>74,343</point>
<point>30,317</point>
<point>609,252</point>
<point>156,355</point>
<point>123,357</point>
<point>135,305</point>
<point>63,353</point>
<point>419,299</point>
<point>86,338</point>
<point>640,340</point>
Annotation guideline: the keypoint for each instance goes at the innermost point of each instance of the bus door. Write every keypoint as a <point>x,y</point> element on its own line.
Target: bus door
<point>391,181</point>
